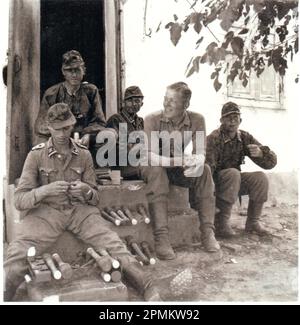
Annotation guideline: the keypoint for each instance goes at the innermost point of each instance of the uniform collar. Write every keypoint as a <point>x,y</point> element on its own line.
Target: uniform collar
<point>52,151</point>
<point>186,120</point>
<point>67,90</point>
<point>128,117</point>
<point>226,138</point>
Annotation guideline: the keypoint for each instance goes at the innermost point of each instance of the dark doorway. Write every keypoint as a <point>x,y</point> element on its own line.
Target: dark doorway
<point>72,25</point>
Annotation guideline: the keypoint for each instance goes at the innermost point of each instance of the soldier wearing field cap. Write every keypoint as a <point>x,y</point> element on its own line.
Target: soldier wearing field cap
<point>133,101</point>
<point>226,150</point>
<point>82,97</point>
<point>58,192</point>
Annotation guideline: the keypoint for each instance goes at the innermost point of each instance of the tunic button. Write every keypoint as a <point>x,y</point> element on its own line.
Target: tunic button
<point>59,156</point>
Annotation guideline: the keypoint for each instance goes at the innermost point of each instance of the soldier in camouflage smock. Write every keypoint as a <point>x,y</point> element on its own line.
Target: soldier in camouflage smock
<point>82,97</point>
<point>226,150</point>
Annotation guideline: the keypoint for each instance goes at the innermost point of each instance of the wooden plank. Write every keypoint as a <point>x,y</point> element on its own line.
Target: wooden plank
<point>23,88</point>
<point>111,58</point>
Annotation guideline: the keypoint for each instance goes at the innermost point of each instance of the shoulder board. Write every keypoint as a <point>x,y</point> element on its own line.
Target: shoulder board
<point>82,146</point>
<point>38,146</point>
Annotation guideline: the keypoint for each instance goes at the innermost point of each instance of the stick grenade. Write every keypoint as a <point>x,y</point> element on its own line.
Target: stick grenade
<point>105,276</point>
<point>142,210</point>
<point>109,218</point>
<point>104,264</point>
<point>55,272</point>
<point>34,293</point>
<point>122,215</point>
<point>64,268</point>
<point>113,214</point>
<point>114,262</point>
<point>139,260</point>
<point>115,276</point>
<point>134,246</point>
<point>146,248</point>
<point>31,253</point>
<point>129,216</point>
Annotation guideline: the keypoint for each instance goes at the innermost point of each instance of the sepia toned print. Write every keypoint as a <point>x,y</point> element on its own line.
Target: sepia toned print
<point>101,202</point>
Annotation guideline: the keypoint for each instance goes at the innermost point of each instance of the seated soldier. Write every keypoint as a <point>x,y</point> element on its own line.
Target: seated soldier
<point>58,190</point>
<point>83,98</point>
<point>133,101</point>
<point>227,148</point>
<point>191,173</point>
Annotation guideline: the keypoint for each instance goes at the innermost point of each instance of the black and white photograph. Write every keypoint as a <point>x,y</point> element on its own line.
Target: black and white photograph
<point>149,152</point>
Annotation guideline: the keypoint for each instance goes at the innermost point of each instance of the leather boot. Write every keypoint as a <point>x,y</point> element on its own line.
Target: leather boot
<point>159,214</point>
<point>252,222</point>
<point>142,281</point>
<point>206,211</point>
<point>222,219</point>
<point>9,291</point>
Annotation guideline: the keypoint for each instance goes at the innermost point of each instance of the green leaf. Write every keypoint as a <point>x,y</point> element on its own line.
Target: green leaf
<point>158,27</point>
<point>175,32</point>
<point>213,75</point>
<point>217,84</point>
<point>187,67</point>
<point>199,41</point>
<point>244,31</point>
<point>245,82</point>
<point>237,45</point>
<point>198,27</point>
<point>190,72</point>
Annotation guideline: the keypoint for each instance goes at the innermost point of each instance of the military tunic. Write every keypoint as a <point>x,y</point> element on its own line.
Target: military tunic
<point>134,123</point>
<point>85,104</point>
<point>201,189</point>
<point>225,157</point>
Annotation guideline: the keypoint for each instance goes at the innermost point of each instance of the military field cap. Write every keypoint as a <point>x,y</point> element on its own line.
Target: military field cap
<point>133,91</point>
<point>72,59</point>
<point>230,108</point>
<point>60,115</point>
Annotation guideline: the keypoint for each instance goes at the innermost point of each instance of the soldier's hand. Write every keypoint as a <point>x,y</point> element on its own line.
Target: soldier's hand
<point>255,151</point>
<point>193,165</point>
<point>54,189</point>
<point>78,188</point>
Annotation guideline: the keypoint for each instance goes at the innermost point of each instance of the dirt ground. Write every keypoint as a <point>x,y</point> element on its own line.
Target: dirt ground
<point>248,269</point>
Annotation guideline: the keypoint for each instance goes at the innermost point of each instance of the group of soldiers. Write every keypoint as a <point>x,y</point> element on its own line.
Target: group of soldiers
<point>58,191</point>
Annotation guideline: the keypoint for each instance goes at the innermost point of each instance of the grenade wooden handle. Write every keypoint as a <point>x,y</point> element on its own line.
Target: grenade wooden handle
<point>64,268</point>
<point>129,215</point>
<point>110,218</point>
<point>134,246</point>
<point>55,272</point>
<point>146,248</point>
<point>142,210</point>
<point>104,264</point>
<point>115,263</point>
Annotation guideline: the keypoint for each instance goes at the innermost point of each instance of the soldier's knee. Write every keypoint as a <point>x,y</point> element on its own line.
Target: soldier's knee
<point>206,170</point>
<point>261,180</point>
<point>230,175</point>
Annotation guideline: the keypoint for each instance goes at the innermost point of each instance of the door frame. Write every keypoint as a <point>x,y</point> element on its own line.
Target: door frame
<point>113,56</point>
<point>24,65</point>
